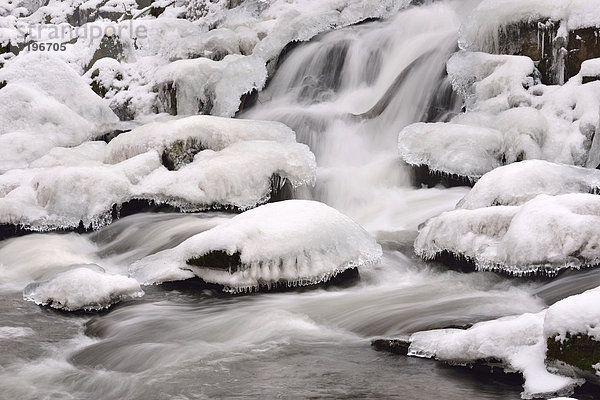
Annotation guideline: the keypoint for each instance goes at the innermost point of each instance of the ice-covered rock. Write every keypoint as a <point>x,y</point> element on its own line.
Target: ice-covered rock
<point>464,150</point>
<point>515,184</point>
<point>544,235</point>
<point>516,342</point>
<point>82,288</point>
<point>228,163</point>
<point>564,338</point>
<point>294,242</point>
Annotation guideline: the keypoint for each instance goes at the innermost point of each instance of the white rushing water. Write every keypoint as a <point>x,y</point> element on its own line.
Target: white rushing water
<point>182,342</point>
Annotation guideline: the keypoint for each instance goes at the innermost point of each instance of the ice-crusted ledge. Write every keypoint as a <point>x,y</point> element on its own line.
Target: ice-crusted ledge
<point>290,243</point>
<point>82,288</point>
<point>232,166</point>
<point>543,236</point>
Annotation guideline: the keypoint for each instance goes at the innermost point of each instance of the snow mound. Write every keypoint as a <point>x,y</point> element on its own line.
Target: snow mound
<point>482,28</point>
<point>517,341</point>
<point>43,104</point>
<point>82,288</point>
<point>294,242</point>
<point>83,184</point>
<point>517,183</point>
<point>542,236</point>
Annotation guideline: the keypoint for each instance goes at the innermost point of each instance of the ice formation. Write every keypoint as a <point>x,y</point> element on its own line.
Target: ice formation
<point>544,235</point>
<point>294,242</point>
<point>232,165</point>
<point>82,288</point>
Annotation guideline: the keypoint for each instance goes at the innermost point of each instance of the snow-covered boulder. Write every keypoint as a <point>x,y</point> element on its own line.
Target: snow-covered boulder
<point>294,243</point>
<point>572,332</point>
<point>515,184</point>
<point>82,288</point>
<point>451,149</point>
<point>544,235</point>
<point>226,164</point>
<point>554,349</point>
<point>517,342</point>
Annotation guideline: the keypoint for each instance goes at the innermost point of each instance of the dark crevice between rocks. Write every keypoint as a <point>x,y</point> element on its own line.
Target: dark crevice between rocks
<point>423,176</point>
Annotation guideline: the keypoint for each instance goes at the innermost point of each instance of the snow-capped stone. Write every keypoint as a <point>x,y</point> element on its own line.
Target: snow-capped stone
<point>82,288</point>
<point>294,242</point>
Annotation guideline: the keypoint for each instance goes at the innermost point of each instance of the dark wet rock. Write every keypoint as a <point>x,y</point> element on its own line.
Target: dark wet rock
<point>423,176</point>
<point>584,44</point>
<point>556,57</point>
<point>396,346</point>
<point>217,260</point>
<point>180,153</point>
<point>110,46</point>
<point>167,99</point>
<point>576,355</point>
<point>281,189</point>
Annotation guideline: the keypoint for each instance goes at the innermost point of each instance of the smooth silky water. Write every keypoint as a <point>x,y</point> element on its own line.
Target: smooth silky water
<point>184,341</point>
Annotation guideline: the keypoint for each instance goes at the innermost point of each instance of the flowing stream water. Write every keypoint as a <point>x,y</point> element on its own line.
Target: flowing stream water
<point>347,94</point>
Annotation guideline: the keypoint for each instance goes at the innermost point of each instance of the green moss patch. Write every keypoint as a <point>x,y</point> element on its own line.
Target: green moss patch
<point>579,351</point>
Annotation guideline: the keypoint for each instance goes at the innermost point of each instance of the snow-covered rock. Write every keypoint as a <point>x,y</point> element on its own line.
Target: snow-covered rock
<point>294,242</point>
<point>463,150</point>
<point>572,332</point>
<point>82,288</point>
<point>518,342</point>
<point>515,184</point>
<point>232,165</point>
<point>563,339</point>
<point>544,235</point>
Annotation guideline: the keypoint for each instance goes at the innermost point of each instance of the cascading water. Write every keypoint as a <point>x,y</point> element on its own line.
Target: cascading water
<point>347,94</point>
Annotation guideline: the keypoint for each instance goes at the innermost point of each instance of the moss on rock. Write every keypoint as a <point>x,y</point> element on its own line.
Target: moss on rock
<point>580,351</point>
<point>180,153</point>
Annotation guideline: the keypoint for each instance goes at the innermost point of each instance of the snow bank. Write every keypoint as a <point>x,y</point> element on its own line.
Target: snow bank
<point>517,341</point>
<point>44,104</point>
<point>517,183</point>
<point>481,30</point>
<point>82,288</point>
<point>545,235</point>
<point>292,242</point>
<point>229,167</point>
